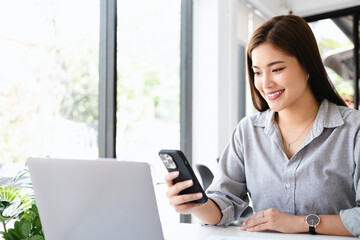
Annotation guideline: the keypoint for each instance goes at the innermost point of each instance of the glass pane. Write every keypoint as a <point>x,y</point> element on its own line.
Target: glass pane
<point>148,103</point>
<point>48,80</point>
<point>334,37</point>
<point>148,87</point>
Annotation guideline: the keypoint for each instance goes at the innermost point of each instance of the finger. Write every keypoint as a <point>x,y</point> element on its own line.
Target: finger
<point>250,225</point>
<point>255,216</point>
<point>170,177</point>
<point>178,187</point>
<point>254,223</point>
<point>258,228</point>
<point>185,198</point>
<point>256,219</point>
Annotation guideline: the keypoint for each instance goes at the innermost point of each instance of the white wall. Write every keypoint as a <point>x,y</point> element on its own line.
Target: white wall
<point>214,78</point>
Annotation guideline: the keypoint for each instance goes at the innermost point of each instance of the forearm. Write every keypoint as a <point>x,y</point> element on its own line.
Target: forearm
<point>332,225</point>
<point>329,225</point>
<point>275,220</point>
<point>209,213</point>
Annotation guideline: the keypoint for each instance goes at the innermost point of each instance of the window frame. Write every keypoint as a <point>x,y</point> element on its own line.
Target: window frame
<point>355,12</point>
<point>108,79</point>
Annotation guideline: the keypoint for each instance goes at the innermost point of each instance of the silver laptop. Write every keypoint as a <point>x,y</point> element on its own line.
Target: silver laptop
<point>95,199</point>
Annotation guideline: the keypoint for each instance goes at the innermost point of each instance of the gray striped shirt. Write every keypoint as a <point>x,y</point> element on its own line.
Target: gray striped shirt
<point>323,176</point>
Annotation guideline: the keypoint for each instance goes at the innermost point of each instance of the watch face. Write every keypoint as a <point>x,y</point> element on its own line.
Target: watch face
<point>312,220</point>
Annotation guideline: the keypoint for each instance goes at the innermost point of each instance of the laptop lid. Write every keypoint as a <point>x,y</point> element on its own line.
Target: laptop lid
<point>95,199</point>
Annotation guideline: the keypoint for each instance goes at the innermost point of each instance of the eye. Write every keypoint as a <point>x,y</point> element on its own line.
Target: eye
<point>257,73</point>
<point>277,70</point>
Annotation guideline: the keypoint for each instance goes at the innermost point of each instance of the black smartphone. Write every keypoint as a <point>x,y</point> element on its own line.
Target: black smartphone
<point>175,160</point>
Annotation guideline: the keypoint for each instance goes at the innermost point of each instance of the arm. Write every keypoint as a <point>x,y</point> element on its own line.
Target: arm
<point>275,220</point>
<point>228,190</point>
<point>332,225</point>
<point>209,212</point>
<point>227,194</point>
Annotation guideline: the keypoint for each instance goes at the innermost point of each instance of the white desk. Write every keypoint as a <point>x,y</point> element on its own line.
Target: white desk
<point>197,232</point>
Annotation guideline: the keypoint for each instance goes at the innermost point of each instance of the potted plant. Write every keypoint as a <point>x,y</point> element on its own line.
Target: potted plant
<point>19,210</point>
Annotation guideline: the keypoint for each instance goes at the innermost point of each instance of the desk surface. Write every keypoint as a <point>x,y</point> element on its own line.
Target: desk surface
<point>198,232</point>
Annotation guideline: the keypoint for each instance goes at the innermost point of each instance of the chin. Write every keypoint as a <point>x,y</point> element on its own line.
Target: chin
<point>275,107</point>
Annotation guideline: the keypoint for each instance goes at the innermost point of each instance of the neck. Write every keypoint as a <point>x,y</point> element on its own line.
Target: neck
<point>299,113</point>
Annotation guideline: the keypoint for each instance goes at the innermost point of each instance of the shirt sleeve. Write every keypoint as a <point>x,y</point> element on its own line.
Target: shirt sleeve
<point>228,189</point>
<point>351,217</point>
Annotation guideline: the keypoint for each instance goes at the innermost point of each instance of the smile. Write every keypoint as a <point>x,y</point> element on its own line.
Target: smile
<point>274,95</point>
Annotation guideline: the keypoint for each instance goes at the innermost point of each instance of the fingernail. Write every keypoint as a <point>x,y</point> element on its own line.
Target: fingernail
<point>189,182</point>
<point>199,195</point>
<point>175,173</point>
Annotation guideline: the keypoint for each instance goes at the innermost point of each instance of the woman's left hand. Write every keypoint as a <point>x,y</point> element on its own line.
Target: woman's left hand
<point>274,220</point>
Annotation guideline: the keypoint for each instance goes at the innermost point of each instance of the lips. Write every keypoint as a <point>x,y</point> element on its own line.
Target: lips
<point>274,95</point>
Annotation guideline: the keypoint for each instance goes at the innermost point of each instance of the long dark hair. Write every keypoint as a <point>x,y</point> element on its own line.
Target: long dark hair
<point>292,35</point>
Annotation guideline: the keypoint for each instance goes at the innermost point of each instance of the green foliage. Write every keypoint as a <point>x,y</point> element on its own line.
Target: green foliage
<point>329,44</point>
<point>80,101</point>
<point>12,204</point>
<point>21,209</point>
<point>27,227</point>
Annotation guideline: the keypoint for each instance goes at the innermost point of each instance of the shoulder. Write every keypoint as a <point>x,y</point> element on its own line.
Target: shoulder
<point>351,118</point>
<point>254,124</point>
<point>259,119</point>
<point>332,115</point>
<point>349,113</point>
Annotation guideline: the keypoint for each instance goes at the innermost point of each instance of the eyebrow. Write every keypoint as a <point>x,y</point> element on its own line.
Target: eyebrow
<point>270,64</point>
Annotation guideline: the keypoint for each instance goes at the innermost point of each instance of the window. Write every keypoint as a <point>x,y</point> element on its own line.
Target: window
<point>148,86</point>
<point>336,50</point>
<point>48,80</point>
<point>336,39</point>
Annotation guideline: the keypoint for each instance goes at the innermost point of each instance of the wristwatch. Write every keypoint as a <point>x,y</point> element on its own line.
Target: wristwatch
<point>312,220</point>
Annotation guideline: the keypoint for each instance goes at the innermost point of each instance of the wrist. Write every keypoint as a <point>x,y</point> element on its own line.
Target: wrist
<point>302,226</point>
<point>312,220</point>
<point>209,213</point>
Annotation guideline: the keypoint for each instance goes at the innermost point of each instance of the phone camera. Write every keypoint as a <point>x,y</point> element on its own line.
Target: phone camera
<point>168,161</point>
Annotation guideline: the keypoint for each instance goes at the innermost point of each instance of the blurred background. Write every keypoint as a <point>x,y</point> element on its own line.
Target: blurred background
<point>125,79</point>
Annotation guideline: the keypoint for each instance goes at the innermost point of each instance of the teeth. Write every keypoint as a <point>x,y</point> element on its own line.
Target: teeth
<point>274,94</point>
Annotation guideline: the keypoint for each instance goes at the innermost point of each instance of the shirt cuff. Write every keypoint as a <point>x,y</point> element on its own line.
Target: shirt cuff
<point>227,210</point>
<point>351,220</point>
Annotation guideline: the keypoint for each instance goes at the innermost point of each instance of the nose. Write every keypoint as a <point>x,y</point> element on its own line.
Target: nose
<point>266,81</point>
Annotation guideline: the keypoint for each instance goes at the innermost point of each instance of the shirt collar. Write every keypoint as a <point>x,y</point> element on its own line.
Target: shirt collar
<point>328,116</point>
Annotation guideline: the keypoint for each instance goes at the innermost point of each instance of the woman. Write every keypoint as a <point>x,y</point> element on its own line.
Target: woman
<point>298,157</point>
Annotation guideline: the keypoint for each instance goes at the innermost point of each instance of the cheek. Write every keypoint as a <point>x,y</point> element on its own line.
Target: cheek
<point>300,84</point>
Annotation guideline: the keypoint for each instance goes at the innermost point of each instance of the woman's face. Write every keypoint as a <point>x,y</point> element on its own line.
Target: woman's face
<point>280,79</point>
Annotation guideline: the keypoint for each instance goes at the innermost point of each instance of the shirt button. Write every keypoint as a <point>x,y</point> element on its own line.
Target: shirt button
<point>288,185</point>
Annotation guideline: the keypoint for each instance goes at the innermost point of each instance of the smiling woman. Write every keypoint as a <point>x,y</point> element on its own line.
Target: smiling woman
<point>302,146</point>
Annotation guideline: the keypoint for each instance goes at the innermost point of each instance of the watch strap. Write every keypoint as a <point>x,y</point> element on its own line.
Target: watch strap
<point>312,230</point>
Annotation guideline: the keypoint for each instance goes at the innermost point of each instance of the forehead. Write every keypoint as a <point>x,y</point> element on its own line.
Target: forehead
<point>266,53</point>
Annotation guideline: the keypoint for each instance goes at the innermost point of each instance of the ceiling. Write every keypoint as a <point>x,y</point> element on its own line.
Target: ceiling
<point>303,8</point>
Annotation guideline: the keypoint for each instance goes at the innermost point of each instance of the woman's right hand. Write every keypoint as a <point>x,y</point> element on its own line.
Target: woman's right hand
<point>181,203</point>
